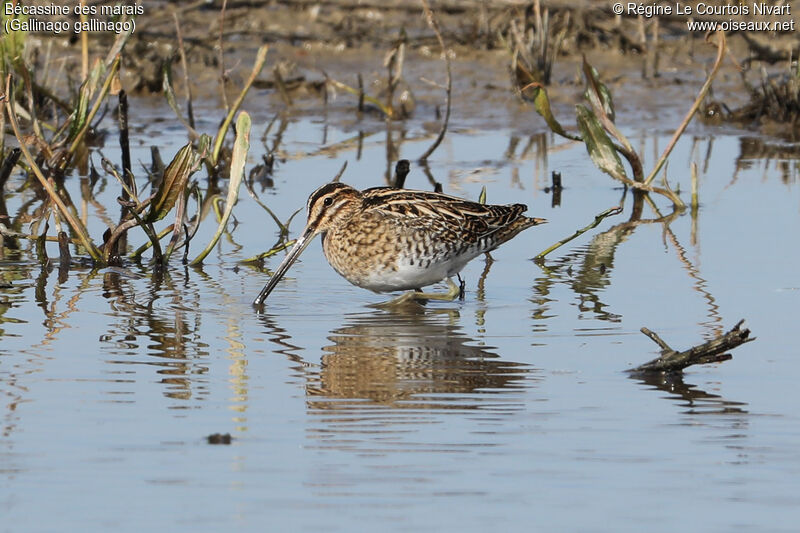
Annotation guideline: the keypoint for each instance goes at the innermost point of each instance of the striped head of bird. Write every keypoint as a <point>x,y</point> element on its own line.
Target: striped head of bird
<point>328,206</point>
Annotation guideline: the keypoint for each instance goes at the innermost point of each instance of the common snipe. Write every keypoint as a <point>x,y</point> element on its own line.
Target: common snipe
<point>386,239</point>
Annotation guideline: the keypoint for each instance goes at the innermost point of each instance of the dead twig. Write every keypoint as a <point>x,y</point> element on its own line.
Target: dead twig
<point>188,87</point>
<point>338,175</point>
<point>223,74</point>
<point>124,143</point>
<point>712,351</point>
<point>721,47</point>
<point>435,26</point>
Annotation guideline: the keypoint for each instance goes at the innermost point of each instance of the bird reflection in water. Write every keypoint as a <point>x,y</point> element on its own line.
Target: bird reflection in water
<point>413,361</point>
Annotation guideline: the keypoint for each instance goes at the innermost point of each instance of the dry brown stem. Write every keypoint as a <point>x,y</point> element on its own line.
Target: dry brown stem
<point>435,26</point>
<point>712,351</point>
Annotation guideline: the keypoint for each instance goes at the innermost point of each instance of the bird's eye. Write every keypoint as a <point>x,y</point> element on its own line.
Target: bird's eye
<point>327,201</point>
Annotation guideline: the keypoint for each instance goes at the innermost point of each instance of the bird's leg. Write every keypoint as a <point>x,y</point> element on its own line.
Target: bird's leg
<point>461,285</point>
<point>453,292</point>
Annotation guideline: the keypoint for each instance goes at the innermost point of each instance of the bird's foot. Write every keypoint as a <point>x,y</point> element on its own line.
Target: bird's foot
<point>417,296</point>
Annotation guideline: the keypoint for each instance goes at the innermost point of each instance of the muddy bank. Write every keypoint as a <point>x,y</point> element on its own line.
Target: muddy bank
<point>311,41</point>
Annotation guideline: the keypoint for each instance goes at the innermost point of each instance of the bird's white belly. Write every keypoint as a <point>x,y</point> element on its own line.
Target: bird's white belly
<point>406,276</point>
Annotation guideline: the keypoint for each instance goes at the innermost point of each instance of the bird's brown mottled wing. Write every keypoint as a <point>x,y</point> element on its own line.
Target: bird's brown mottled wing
<point>448,215</point>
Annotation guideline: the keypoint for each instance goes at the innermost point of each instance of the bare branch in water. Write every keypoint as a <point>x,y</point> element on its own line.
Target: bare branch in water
<point>712,351</point>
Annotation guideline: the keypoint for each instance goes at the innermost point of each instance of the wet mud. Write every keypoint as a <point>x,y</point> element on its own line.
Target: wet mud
<point>342,40</point>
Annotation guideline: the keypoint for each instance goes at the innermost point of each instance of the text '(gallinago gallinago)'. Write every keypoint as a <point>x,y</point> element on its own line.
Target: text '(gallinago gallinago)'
<point>385,239</point>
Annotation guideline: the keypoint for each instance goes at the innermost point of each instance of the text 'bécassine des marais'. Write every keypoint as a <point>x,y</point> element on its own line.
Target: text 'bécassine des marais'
<point>78,9</point>
<point>711,8</point>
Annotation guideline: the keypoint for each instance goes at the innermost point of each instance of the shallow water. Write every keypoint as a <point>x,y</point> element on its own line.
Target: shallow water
<point>510,408</point>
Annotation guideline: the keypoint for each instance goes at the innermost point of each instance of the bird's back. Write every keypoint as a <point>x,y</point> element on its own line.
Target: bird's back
<point>462,223</point>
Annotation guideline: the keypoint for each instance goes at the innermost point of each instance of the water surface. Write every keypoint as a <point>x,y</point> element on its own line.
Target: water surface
<point>508,409</point>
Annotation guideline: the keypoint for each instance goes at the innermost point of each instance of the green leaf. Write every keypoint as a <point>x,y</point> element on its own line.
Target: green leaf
<point>87,90</point>
<point>176,176</point>
<point>203,146</point>
<point>541,103</point>
<point>240,148</point>
<point>598,144</point>
<point>596,92</point>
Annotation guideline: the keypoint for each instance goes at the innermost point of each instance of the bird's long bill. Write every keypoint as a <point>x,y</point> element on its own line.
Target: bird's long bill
<point>303,241</point>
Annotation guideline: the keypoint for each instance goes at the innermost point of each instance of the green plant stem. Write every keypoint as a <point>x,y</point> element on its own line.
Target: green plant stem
<point>261,58</point>
<point>5,231</point>
<point>143,248</point>
<point>272,251</point>
<point>96,107</point>
<point>362,97</point>
<point>608,212</point>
